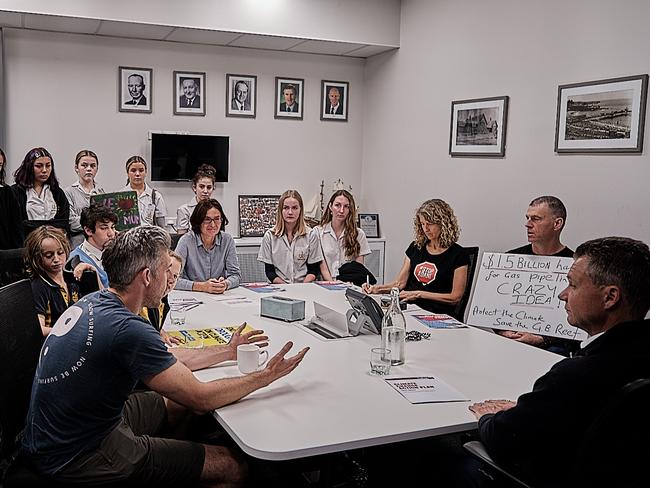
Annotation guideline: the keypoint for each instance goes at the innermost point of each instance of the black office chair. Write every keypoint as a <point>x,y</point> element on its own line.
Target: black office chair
<point>174,240</point>
<point>614,450</point>
<point>20,344</point>
<point>12,266</point>
<point>459,311</point>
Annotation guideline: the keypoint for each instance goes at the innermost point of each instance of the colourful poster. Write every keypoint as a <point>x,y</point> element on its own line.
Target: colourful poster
<point>124,204</point>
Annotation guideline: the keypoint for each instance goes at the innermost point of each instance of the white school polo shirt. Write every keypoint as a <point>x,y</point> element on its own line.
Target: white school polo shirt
<point>290,258</point>
<point>41,207</point>
<point>334,250</point>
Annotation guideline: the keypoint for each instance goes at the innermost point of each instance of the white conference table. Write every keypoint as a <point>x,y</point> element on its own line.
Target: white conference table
<point>332,403</point>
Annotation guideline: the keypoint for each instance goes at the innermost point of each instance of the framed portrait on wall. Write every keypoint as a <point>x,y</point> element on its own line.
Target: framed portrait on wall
<point>189,93</point>
<point>604,116</point>
<point>334,100</point>
<point>478,127</point>
<point>241,95</point>
<point>289,98</point>
<point>134,93</point>
<point>257,214</point>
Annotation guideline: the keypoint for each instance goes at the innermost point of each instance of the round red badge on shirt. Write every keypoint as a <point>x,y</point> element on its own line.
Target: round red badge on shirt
<point>425,272</point>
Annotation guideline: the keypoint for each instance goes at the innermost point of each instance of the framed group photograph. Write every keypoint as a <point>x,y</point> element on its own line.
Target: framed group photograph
<point>369,223</point>
<point>478,127</point>
<point>257,214</point>
<point>604,116</point>
<point>334,100</point>
<point>241,95</point>
<point>289,98</point>
<point>189,93</point>
<point>134,94</point>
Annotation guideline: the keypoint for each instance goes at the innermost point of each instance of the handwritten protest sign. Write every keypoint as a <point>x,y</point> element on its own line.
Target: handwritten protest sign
<point>124,204</point>
<point>520,293</point>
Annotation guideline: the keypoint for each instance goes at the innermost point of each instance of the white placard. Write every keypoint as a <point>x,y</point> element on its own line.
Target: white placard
<point>519,292</point>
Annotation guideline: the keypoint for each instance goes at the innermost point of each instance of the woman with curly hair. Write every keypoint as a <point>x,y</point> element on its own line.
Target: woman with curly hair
<point>434,273</point>
<point>340,238</point>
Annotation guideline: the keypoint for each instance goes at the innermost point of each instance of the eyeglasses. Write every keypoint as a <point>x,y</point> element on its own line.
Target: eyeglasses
<point>208,221</point>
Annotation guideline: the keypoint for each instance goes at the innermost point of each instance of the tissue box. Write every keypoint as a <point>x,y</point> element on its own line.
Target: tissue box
<point>287,309</point>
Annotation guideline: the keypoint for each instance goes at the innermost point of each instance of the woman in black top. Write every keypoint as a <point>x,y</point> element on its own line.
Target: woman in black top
<point>434,273</point>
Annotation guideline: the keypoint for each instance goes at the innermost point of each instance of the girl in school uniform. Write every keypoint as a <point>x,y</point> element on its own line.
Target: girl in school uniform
<point>150,201</point>
<point>38,193</point>
<point>340,238</point>
<point>46,251</point>
<point>203,187</point>
<point>290,252</point>
<point>78,194</point>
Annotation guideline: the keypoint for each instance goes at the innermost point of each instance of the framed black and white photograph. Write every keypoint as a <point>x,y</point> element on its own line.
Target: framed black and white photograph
<point>189,93</point>
<point>257,214</point>
<point>478,127</point>
<point>135,89</point>
<point>604,116</point>
<point>334,100</point>
<point>289,98</point>
<point>241,95</point>
<point>369,223</point>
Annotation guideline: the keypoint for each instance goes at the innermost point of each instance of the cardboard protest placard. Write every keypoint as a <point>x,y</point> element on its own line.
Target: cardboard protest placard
<point>124,204</point>
<point>520,293</point>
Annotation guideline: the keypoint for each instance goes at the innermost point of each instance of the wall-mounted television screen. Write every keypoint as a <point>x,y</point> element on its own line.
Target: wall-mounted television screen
<point>176,157</point>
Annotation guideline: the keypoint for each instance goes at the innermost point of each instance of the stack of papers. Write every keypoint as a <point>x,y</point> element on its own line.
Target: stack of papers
<point>333,285</point>
<point>192,338</point>
<point>425,389</point>
<point>263,287</point>
<point>439,321</point>
<point>184,303</point>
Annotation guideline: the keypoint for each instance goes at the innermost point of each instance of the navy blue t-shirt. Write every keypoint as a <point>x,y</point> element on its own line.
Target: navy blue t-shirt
<point>88,366</point>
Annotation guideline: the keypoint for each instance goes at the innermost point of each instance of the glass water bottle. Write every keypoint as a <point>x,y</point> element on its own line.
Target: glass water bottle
<point>393,330</point>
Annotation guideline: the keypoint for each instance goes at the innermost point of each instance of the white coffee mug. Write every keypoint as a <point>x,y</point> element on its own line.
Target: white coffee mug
<point>250,358</point>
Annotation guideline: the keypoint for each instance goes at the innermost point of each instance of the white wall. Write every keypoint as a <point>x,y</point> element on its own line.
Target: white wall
<point>363,21</point>
<point>463,49</point>
<point>62,94</point>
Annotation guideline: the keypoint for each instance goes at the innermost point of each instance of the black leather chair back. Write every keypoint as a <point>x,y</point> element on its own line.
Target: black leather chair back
<point>20,344</point>
<point>459,311</point>
<point>12,266</point>
<point>616,448</point>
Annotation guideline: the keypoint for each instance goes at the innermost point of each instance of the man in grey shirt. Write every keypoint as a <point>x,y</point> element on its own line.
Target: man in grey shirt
<point>209,254</point>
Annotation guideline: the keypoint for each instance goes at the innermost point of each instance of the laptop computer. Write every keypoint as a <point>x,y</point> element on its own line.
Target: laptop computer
<point>328,323</point>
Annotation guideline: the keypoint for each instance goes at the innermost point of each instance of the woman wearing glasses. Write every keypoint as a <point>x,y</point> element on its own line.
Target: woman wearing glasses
<point>211,263</point>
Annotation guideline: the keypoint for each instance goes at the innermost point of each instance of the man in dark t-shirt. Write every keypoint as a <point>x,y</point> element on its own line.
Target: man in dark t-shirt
<point>85,424</point>
<point>545,219</point>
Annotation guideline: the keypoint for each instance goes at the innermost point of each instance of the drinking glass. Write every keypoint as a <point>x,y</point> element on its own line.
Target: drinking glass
<point>380,361</point>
